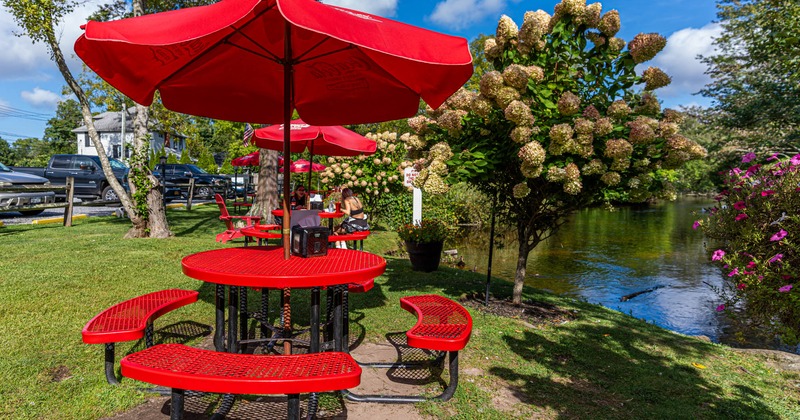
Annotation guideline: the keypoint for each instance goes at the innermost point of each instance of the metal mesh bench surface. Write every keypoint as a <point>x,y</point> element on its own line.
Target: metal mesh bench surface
<point>182,367</point>
<point>443,324</point>
<point>127,320</point>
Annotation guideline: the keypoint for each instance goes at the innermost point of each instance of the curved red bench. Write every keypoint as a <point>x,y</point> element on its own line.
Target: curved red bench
<point>262,232</point>
<point>131,320</point>
<point>355,236</point>
<point>186,368</point>
<point>442,325</point>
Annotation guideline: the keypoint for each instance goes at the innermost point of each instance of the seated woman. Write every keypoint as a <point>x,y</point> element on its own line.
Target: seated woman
<point>299,198</point>
<point>355,219</point>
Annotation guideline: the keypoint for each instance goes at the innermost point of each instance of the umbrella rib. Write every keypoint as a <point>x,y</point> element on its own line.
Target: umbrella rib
<point>299,60</point>
<point>268,52</point>
<point>207,50</point>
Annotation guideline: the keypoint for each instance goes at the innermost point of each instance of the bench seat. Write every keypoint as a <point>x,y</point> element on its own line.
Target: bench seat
<point>132,320</point>
<point>443,324</point>
<point>355,236</point>
<point>184,368</point>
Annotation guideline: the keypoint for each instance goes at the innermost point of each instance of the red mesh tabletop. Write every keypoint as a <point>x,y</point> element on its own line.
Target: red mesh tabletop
<point>127,320</point>
<point>442,325</point>
<point>189,368</point>
<point>264,266</point>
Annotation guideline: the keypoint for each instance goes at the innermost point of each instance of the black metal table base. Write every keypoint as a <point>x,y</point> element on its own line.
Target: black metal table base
<point>410,399</point>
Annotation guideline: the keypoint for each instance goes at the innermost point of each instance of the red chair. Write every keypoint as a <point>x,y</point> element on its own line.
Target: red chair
<point>232,231</point>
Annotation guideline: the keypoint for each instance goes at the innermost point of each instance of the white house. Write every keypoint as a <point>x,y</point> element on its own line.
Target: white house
<point>109,127</point>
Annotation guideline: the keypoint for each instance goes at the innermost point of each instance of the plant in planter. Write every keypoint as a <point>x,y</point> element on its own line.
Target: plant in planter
<point>424,242</point>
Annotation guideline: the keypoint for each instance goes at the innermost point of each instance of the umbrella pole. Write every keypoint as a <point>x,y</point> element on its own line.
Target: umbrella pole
<point>287,121</point>
<point>287,212</point>
<point>310,169</point>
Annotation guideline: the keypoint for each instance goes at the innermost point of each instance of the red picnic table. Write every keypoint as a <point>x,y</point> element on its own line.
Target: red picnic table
<point>266,268</point>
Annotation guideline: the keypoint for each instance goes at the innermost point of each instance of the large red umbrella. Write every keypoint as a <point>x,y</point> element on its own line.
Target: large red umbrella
<point>258,60</point>
<point>330,140</point>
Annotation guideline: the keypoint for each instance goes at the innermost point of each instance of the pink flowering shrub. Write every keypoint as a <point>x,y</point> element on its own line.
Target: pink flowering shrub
<point>755,228</point>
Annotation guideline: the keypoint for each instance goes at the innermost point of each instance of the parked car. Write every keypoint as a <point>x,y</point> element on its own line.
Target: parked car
<point>177,176</point>
<point>12,198</point>
<point>90,181</point>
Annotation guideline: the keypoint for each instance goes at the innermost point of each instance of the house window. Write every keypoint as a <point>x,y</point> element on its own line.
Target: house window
<point>87,142</point>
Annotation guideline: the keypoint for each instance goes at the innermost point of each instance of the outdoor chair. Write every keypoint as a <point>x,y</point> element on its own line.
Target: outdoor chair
<point>232,232</point>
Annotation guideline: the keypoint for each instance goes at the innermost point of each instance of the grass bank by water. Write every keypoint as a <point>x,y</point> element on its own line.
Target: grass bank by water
<point>601,364</point>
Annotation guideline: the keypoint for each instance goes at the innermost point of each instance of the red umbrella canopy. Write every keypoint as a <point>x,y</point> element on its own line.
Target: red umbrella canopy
<point>228,60</point>
<point>247,160</point>
<point>258,60</point>
<point>320,140</point>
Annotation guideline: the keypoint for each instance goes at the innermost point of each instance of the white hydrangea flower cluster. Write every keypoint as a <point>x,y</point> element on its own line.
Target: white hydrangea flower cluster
<point>610,143</point>
<point>369,174</point>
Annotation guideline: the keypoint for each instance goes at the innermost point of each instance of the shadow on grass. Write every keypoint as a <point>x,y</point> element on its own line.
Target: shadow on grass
<point>617,368</point>
<point>186,223</point>
<point>602,362</point>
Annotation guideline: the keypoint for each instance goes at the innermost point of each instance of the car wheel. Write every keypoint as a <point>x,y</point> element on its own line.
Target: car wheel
<point>205,191</point>
<point>31,212</point>
<point>109,194</point>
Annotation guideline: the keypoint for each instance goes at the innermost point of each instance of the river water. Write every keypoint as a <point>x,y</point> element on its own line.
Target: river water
<point>600,256</point>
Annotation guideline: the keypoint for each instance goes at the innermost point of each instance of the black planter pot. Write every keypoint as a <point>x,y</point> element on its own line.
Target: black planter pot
<point>424,256</point>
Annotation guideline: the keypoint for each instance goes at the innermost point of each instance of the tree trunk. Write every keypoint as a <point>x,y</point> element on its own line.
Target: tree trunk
<point>267,187</point>
<point>522,265</point>
<point>151,195</point>
<point>138,222</point>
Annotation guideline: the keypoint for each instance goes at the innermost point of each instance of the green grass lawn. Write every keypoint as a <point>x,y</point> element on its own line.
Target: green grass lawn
<point>601,364</point>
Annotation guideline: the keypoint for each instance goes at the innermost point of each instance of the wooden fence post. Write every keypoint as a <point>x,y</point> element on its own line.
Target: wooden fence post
<point>191,194</point>
<point>70,194</point>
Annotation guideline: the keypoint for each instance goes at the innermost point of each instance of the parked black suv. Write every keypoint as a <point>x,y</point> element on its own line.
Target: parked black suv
<point>205,184</point>
<point>90,181</point>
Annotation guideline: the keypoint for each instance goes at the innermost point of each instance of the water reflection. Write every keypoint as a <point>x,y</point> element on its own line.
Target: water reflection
<point>600,256</point>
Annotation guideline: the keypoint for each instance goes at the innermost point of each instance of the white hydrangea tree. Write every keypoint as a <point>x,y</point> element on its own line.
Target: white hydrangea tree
<point>562,122</point>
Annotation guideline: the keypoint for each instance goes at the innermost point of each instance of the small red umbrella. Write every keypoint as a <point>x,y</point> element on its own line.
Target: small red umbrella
<point>330,140</point>
<point>302,165</point>
<point>247,160</point>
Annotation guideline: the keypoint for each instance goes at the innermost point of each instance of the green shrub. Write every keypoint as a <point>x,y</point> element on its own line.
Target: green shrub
<point>427,231</point>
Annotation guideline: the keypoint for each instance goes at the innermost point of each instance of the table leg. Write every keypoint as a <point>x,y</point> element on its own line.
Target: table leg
<point>328,314</point>
<point>337,319</point>
<point>243,324</point>
<point>219,330</point>
<point>232,318</point>
<point>287,321</point>
<point>345,320</point>
<point>265,313</point>
<point>315,297</point>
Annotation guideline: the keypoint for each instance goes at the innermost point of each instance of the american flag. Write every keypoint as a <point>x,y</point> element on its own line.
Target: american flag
<point>248,134</point>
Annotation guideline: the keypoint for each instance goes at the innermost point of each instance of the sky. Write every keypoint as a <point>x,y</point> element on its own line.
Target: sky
<point>31,86</point>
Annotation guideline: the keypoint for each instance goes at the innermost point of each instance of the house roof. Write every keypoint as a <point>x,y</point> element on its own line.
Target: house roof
<point>111,122</point>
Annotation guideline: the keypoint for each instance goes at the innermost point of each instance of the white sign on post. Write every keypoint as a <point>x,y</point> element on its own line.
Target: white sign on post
<point>409,174</point>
